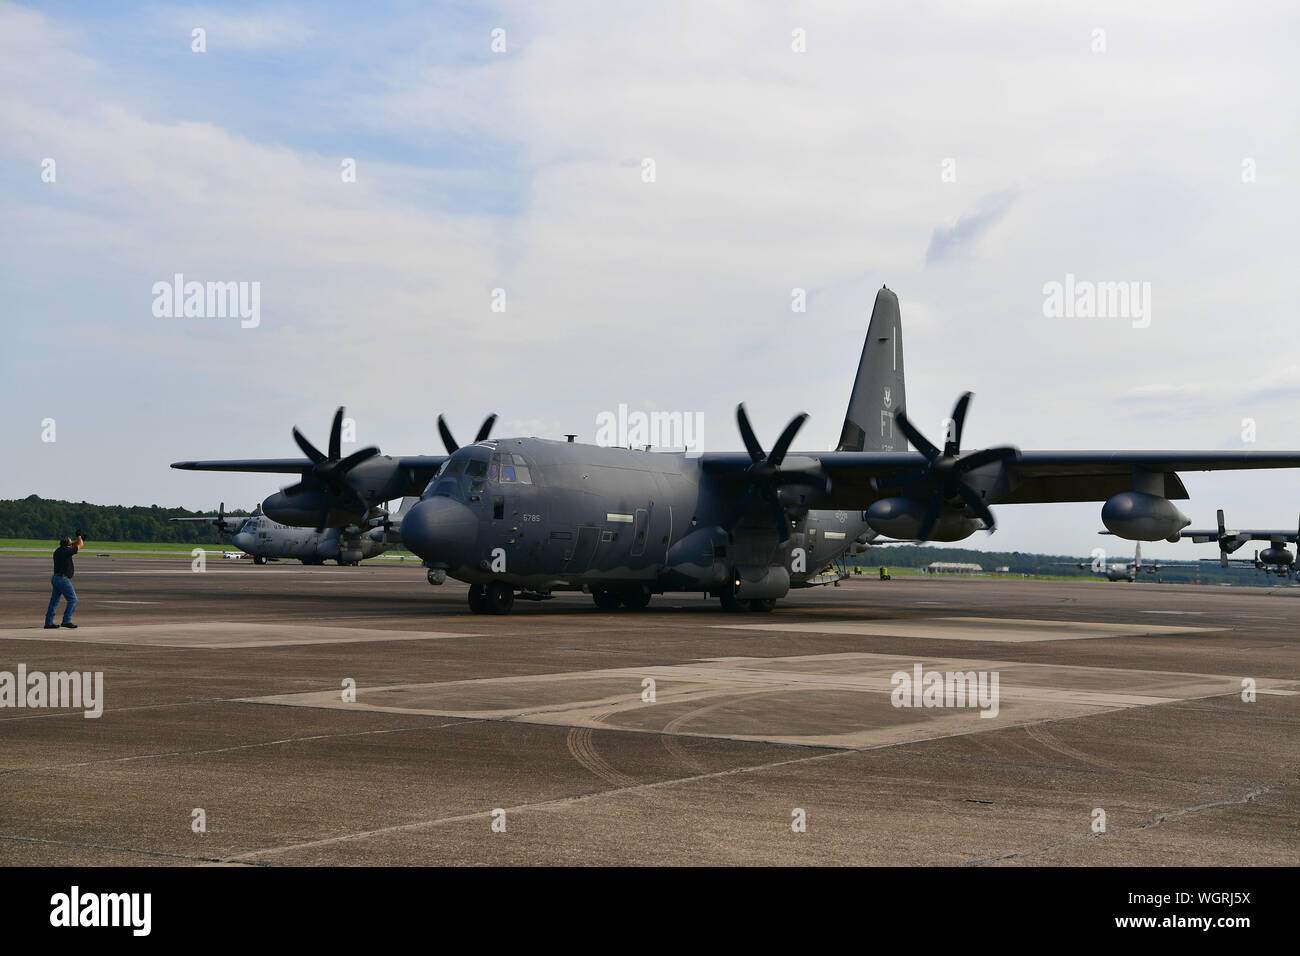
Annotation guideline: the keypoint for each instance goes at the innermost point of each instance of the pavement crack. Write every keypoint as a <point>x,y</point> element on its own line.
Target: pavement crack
<point>1145,825</point>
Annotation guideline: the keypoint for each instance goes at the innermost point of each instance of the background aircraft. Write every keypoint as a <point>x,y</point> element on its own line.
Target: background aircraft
<point>1275,559</point>
<point>264,538</point>
<point>532,516</point>
<point>1128,570</point>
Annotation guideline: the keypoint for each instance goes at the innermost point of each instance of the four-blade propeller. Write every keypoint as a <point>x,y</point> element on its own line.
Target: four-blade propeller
<point>945,470</point>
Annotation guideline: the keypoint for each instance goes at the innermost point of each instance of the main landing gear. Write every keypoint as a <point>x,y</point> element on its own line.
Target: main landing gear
<point>494,598</point>
<point>635,598</point>
<point>730,603</point>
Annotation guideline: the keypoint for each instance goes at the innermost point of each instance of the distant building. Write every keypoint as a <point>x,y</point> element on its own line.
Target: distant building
<point>951,567</point>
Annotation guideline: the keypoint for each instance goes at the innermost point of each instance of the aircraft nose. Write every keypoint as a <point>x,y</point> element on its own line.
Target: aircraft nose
<point>441,531</point>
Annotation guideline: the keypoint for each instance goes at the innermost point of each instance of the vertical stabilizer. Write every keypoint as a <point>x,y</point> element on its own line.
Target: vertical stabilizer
<point>878,390</point>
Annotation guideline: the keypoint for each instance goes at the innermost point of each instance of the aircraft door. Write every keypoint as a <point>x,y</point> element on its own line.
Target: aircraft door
<point>640,528</point>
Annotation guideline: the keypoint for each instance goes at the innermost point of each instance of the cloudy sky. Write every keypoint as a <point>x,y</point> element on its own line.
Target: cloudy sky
<point>963,154</point>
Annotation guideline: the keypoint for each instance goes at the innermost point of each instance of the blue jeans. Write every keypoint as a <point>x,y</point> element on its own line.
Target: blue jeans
<point>61,586</point>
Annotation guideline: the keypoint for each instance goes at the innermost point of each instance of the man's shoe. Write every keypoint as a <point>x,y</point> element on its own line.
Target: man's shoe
<point>67,624</point>
<point>51,627</point>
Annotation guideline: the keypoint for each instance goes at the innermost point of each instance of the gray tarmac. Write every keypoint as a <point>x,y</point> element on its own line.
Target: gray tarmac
<point>224,692</point>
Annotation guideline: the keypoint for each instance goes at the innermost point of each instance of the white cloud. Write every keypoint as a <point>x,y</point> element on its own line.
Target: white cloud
<point>774,170</point>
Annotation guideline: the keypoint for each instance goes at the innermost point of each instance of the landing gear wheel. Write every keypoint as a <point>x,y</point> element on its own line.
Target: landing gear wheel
<point>477,601</point>
<point>605,599</point>
<point>727,597</point>
<point>762,605</point>
<point>258,559</point>
<point>636,599</point>
<point>499,598</point>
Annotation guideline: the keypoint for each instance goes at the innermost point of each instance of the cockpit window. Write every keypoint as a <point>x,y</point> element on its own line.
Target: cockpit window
<point>510,469</point>
<point>450,481</point>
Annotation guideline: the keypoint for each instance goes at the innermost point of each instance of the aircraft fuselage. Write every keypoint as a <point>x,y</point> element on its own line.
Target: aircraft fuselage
<point>545,515</point>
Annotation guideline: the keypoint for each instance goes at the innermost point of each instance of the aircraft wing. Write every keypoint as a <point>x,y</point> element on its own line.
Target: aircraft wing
<point>286,466</point>
<point>229,524</point>
<point>293,466</point>
<point>1201,536</point>
<point>859,478</point>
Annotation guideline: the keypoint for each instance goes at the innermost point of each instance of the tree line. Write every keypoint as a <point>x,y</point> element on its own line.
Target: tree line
<point>35,517</point>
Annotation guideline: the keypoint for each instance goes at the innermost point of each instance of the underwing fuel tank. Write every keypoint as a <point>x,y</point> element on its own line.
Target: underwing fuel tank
<point>1276,555</point>
<point>1138,516</point>
<point>902,518</point>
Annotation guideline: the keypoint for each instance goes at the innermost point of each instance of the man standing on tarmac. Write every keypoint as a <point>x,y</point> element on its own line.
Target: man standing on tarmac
<point>61,582</point>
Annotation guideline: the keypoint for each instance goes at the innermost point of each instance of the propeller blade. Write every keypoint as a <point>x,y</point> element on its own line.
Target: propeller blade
<point>931,519</point>
<point>336,435</point>
<point>1222,529</point>
<point>486,428</point>
<point>752,446</point>
<point>919,441</point>
<point>778,515</point>
<point>342,467</point>
<point>296,489</point>
<point>742,508</point>
<point>985,456</point>
<point>448,441</point>
<point>783,443</point>
<point>977,505</point>
<point>951,448</point>
<point>308,449</point>
<point>324,517</point>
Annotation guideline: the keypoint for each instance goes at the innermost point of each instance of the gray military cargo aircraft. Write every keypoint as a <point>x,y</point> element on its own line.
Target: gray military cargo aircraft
<point>531,516</point>
<point>1275,559</point>
<point>266,539</point>
<point>1127,570</point>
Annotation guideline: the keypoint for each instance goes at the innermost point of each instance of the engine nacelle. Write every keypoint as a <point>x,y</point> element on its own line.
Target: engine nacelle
<point>902,518</point>
<point>304,509</point>
<point>1138,516</point>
